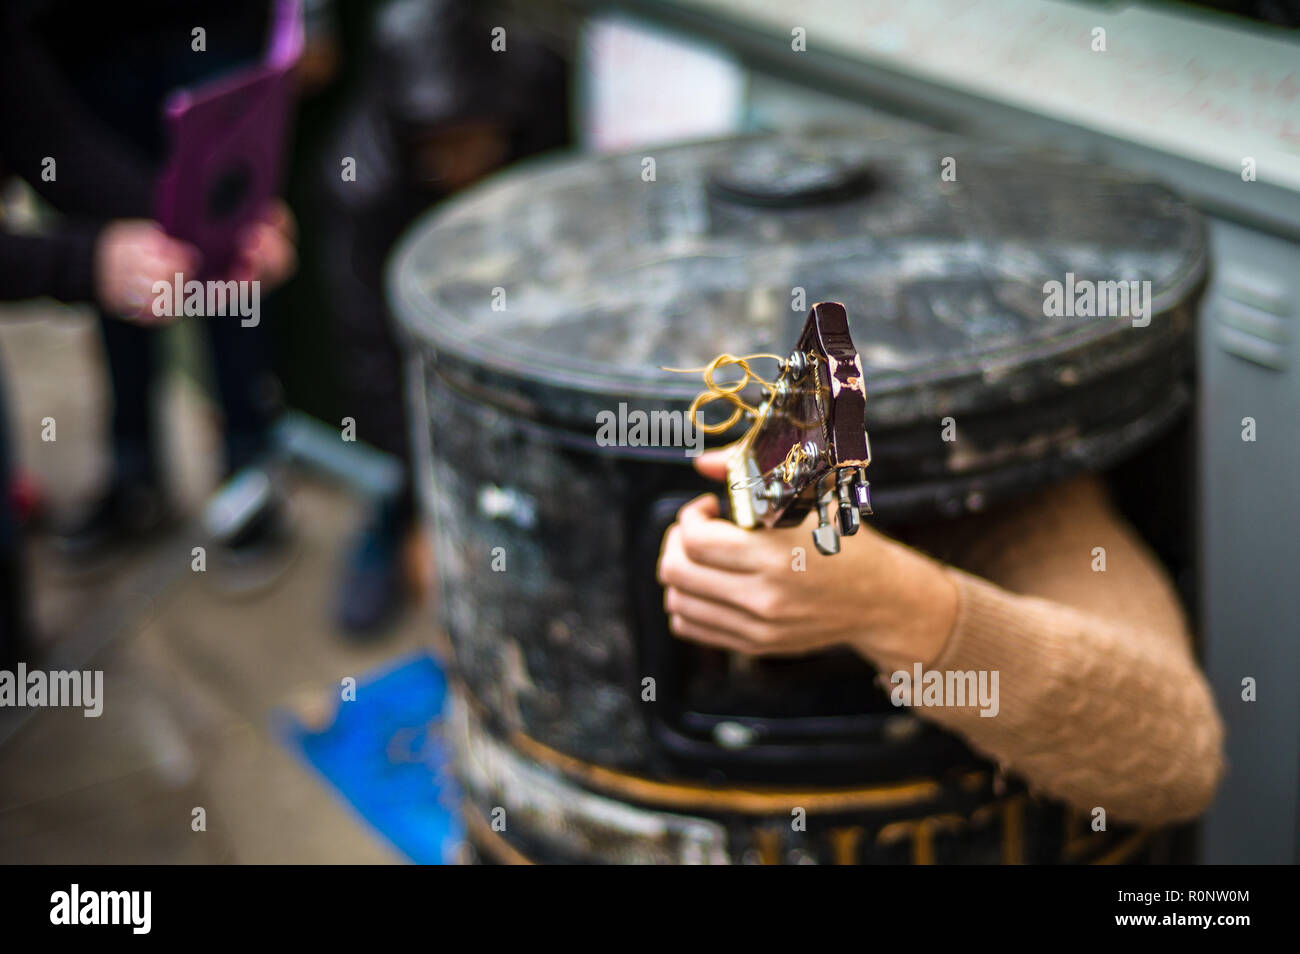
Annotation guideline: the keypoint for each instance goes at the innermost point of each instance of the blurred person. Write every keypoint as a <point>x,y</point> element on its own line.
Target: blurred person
<point>436,110</point>
<point>112,265</point>
<point>74,262</point>
<point>1099,700</point>
<point>84,88</point>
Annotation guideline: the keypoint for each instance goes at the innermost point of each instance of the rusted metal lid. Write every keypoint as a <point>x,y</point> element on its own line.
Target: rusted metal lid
<point>563,287</point>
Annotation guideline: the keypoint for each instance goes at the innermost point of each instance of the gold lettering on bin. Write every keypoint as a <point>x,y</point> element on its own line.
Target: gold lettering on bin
<point>921,831</point>
<point>769,845</point>
<point>844,844</point>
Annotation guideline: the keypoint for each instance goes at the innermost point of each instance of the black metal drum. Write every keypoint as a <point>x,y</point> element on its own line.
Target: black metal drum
<point>549,299</point>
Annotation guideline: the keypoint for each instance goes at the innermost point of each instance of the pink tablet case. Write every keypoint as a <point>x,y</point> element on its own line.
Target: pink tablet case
<point>228,140</point>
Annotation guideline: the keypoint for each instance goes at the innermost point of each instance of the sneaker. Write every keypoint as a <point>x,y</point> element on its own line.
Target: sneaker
<point>372,589</point>
<point>248,522</point>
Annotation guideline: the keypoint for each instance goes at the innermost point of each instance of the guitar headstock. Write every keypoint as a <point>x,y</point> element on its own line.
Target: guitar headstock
<point>808,446</point>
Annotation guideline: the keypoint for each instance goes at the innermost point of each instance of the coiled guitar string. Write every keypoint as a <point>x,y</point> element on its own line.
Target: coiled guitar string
<point>795,458</point>
<point>730,393</point>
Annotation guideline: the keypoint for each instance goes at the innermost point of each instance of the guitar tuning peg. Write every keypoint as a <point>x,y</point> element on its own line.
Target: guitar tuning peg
<point>826,538</point>
<point>846,488</point>
<point>862,491</point>
<point>849,520</point>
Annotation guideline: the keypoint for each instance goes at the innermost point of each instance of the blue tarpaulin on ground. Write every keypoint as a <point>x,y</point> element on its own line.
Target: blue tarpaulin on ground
<point>385,755</point>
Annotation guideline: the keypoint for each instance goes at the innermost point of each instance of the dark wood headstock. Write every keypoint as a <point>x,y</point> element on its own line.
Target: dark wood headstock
<point>808,447</point>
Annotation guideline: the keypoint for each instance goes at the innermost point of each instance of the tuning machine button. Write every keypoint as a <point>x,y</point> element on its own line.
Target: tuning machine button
<point>826,538</point>
<point>862,494</point>
<point>849,519</point>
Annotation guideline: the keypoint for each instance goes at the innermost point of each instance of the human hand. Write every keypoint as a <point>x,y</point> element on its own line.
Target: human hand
<point>131,255</point>
<point>267,250</point>
<point>770,592</point>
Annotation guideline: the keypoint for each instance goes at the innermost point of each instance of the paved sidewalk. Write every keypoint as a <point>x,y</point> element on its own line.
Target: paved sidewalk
<point>190,677</point>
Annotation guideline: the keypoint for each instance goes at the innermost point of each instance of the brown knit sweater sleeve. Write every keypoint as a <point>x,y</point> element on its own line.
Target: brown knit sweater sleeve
<point>1101,702</point>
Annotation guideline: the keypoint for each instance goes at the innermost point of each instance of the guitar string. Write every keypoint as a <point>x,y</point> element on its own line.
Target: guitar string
<point>788,469</point>
<point>730,393</point>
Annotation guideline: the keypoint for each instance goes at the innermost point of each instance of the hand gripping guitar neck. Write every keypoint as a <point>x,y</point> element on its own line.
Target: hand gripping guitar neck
<point>808,444</point>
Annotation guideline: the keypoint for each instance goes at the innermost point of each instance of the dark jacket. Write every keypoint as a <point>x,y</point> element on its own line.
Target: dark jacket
<point>83,84</point>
